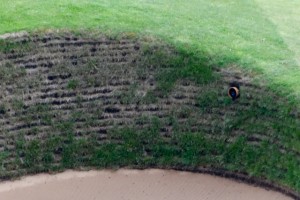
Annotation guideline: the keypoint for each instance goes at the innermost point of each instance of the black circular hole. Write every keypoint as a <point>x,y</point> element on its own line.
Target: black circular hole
<point>232,93</point>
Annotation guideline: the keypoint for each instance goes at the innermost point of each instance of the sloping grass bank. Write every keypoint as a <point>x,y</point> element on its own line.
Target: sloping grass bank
<point>82,101</point>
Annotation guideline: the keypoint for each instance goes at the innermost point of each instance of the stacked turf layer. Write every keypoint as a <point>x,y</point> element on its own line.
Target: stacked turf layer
<point>71,101</point>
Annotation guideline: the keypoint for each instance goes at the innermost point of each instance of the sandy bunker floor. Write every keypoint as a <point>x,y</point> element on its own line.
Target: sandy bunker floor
<point>133,185</point>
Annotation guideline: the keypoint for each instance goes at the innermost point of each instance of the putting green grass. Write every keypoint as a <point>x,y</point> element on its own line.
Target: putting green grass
<point>285,15</point>
<point>227,32</point>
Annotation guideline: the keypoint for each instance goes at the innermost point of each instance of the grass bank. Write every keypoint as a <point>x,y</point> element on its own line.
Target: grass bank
<point>78,100</point>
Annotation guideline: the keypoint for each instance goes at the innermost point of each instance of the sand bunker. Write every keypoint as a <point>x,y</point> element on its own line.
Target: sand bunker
<point>132,184</point>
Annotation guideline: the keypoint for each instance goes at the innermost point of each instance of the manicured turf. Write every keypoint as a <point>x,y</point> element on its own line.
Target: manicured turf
<point>227,32</point>
<point>285,16</point>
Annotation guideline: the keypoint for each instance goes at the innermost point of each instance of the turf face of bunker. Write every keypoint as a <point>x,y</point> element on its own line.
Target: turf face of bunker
<point>72,101</point>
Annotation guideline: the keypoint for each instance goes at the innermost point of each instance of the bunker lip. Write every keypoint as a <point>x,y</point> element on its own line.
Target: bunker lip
<point>13,35</point>
<point>133,184</point>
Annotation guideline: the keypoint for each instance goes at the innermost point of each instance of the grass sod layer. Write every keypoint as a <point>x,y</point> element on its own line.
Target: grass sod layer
<point>75,101</point>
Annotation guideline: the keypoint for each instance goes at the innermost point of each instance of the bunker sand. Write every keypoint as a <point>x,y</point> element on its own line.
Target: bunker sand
<point>132,184</point>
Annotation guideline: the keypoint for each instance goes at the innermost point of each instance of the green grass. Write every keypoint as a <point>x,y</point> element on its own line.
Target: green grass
<point>133,147</point>
<point>246,34</point>
<point>285,16</point>
<point>226,32</point>
<point>223,142</point>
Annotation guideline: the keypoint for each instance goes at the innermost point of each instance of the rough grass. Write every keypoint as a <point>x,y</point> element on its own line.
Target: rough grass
<point>184,120</point>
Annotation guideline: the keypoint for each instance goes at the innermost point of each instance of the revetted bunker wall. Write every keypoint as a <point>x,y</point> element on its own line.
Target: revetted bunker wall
<point>51,84</point>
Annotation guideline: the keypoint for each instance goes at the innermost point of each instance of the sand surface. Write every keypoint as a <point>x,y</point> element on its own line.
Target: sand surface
<point>132,185</point>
